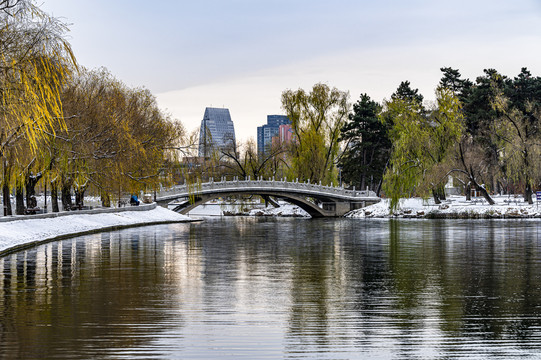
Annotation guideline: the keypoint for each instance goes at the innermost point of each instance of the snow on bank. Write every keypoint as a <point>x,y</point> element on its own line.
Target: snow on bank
<point>454,207</point>
<point>284,211</point>
<point>29,230</point>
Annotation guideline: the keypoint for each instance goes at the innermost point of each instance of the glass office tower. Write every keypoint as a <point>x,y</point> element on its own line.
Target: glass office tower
<point>217,132</point>
<point>266,132</point>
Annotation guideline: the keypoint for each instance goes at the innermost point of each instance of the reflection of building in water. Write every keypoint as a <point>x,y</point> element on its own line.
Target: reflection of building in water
<point>183,266</point>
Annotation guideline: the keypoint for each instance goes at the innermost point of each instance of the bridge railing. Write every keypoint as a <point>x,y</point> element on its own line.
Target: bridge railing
<point>275,185</point>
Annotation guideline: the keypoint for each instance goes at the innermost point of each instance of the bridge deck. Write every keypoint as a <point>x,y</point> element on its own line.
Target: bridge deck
<point>317,200</point>
<point>254,186</point>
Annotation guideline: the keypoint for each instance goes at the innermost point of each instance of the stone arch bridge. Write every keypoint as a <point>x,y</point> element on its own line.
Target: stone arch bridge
<point>317,200</point>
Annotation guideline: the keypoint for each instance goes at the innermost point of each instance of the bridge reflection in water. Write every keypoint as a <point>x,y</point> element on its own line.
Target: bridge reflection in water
<point>247,288</point>
<point>316,200</point>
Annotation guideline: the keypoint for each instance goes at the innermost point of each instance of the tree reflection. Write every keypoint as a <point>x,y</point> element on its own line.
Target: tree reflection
<point>105,289</point>
<point>484,282</point>
<point>303,288</point>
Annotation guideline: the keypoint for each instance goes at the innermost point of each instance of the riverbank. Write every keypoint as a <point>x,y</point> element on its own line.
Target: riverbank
<point>455,207</point>
<point>17,232</point>
<point>285,210</point>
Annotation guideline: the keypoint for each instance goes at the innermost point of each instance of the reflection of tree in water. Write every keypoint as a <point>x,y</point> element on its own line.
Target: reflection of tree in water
<point>502,298</point>
<point>336,275</point>
<point>461,282</point>
<point>103,289</point>
<point>483,279</point>
<point>306,285</point>
<point>311,274</point>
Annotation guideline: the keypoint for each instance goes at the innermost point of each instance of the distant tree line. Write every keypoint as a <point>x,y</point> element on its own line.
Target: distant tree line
<point>69,127</point>
<point>485,134</point>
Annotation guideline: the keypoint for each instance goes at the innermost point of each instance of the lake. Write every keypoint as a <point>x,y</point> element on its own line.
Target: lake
<point>290,288</point>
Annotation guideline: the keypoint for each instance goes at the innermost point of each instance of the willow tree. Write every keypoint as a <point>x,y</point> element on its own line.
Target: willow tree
<point>423,145</point>
<point>517,130</point>
<point>151,142</point>
<point>316,119</point>
<point>35,60</point>
<point>116,139</point>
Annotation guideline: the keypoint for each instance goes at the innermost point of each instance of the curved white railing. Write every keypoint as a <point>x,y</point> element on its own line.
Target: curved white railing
<point>282,186</point>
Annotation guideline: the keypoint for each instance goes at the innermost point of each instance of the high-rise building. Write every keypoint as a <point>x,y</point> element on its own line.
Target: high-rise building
<point>285,134</point>
<point>217,131</point>
<point>266,132</point>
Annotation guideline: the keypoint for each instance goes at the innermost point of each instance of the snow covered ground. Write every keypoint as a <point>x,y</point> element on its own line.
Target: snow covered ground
<point>285,210</point>
<point>30,230</point>
<point>454,206</point>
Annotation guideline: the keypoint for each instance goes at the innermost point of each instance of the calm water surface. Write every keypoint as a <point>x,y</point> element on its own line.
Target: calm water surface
<point>249,288</point>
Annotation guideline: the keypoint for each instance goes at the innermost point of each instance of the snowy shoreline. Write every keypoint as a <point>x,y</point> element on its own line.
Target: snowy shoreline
<point>455,207</point>
<point>285,210</point>
<point>19,232</point>
<point>22,232</point>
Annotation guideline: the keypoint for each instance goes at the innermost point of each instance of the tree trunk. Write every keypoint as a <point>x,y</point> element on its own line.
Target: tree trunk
<point>7,199</point>
<point>500,189</point>
<point>485,193</point>
<point>528,193</point>
<point>493,183</point>
<point>30,185</point>
<point>468,191</point>
<point>54,196</point>
<point>378,188</point>
<point>5,189</point>
<point>66,196</point>
<point>19,200</point>
<point>528,187</point>
<point>105,200</point>
<point>435,196</point>
<point>269,200</point>
<point>441,190</point>
<point>471,175</point>
<point>80,196</point>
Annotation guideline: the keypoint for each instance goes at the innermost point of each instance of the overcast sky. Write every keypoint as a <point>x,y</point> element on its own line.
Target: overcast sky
<point>241,54</point>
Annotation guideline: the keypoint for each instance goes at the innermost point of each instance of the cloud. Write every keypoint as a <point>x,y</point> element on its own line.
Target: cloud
<point>377,72</point>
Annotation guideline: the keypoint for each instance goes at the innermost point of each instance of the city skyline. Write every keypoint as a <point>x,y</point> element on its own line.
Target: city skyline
<point>243,54</point>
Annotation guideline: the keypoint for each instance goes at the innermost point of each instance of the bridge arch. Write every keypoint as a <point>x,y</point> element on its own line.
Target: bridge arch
<point>312,209</point>
<point>316,200</point>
